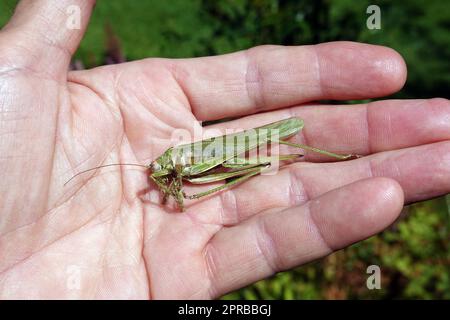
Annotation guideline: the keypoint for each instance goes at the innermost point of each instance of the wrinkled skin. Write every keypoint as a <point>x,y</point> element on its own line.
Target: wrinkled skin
<point>106,234</point>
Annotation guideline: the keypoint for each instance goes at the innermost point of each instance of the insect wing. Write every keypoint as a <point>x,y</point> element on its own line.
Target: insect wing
<point>201,156</point>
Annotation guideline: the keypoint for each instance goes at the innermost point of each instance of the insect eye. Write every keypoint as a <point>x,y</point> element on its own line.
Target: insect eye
<point>155,166</point>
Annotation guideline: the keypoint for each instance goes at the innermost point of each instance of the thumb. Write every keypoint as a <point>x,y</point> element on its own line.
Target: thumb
<point>42,35</point>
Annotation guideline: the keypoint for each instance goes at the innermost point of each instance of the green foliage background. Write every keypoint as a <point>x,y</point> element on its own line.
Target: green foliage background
<point>414,254</point>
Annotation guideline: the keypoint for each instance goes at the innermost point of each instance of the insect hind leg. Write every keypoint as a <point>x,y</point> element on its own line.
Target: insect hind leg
<point>229,184</point>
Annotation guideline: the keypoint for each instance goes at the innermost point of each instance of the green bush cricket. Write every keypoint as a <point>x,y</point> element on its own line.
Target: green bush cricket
<point>224,159</point>
<point>219,162</point>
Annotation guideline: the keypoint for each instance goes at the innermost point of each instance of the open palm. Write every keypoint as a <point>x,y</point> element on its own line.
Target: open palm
<point>106,235</point>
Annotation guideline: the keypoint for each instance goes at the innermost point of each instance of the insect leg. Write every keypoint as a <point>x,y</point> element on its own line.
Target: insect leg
<point>178,190</point>
<point>324,152</point>
<point>161,186</point>
<point>166,190</point>
<point>223,175</point>
<point>240,163</point>
<point>251,172</point>
<point>242,166</point>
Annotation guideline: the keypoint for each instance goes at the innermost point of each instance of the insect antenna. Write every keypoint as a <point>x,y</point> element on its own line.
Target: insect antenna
<point>104,166</point>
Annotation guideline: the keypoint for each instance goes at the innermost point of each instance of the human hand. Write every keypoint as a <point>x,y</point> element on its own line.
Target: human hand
<point>103,237</point>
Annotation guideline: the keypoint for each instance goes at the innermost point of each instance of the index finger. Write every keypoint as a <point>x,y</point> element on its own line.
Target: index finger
<point>271,77</point>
